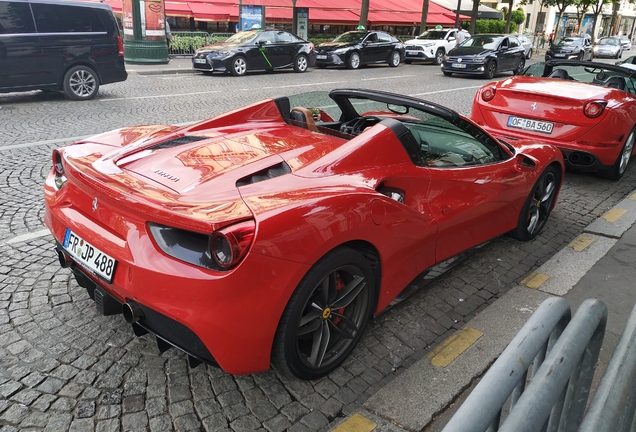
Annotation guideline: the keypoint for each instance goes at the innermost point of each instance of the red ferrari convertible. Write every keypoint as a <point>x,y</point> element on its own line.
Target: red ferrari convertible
<point>586,109</point>
<point>275,231</point>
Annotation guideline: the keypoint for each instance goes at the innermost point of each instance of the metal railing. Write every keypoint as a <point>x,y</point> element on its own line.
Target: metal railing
<point>545,373</point>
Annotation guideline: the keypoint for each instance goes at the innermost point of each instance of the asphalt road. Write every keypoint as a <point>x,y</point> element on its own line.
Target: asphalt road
<point>63,366</point>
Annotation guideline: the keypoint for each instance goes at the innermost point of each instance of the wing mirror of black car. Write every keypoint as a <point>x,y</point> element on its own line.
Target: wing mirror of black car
<point>261,42</point>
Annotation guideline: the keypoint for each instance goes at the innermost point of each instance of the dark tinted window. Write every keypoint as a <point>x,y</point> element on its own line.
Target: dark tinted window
<point>513,42</point>
<point>284,37</point>
<point>383,37</point>
<point>15,17</point>
<point>53,18</point>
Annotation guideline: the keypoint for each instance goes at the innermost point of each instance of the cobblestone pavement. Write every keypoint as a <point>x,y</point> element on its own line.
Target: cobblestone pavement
<point>65,367</point>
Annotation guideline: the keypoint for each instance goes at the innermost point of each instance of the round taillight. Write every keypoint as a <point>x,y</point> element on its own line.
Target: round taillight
<point>488,94</point>
<point>229,245</point>
<point>594,109</point>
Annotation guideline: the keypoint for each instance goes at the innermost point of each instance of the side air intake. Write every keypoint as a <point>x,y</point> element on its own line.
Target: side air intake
<point>178,141</point>
<point>266,174</point>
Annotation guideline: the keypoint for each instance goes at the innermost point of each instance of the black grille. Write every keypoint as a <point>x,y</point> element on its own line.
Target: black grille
<point>414,48</point>
<point>177,142</point>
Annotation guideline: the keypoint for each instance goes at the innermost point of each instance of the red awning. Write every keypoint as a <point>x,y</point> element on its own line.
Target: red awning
<point>178,10</point>
<point>208,12</point>
<point>319,16</point>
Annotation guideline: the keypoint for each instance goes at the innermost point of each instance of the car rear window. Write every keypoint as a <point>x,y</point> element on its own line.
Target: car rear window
<point>15,18</point>
<point>55,18</point>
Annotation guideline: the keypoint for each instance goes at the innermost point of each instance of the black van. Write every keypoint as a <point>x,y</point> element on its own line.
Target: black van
<point>59,45</point>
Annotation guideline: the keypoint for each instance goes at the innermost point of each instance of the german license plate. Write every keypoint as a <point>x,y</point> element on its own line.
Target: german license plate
<point>89,256</point>
<point>200,61</point>
<point>321,57</point>
<point>528,124</point>
<point>411,53</point>
<point>559,55</point>
<point>459,65</point>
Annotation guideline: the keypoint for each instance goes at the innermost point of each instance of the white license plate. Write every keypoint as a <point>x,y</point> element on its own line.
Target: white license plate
<point>411,53</point>
<point>459,65</point>
<point>89,256</point>
<point>200,61</point>
<point>321,57</point>
<point>528,124</point>
<point>559,55</point>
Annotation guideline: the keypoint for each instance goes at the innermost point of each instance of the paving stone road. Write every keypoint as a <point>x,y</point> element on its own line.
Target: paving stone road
<point>65,367</point>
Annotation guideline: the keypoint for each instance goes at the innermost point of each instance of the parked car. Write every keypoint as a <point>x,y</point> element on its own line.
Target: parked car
<point>608,47</point>
<point>73,47</point>
<point>486,55</point>
<point>432,45</point>
<point>586,109</point>
<point>579,48</point>
<point>356,48</point>
<point>275,231</point>
<point>266,49</point>
<point>526,43</point>
<point>626,42</point>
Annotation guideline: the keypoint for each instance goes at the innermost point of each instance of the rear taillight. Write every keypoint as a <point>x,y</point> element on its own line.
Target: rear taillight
<point>594,109</point>
<point>58,169</point>
<point>120,46</point>
<point>230,244</point>
<point>488,94</point>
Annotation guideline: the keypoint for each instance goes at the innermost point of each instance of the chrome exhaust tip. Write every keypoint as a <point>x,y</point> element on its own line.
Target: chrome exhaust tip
<point>132,312</point>
<point>64,260</point>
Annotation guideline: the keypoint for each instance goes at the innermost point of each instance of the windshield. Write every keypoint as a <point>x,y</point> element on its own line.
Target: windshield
<point>242,37</point>
<point>608,41</point>
<point>622,78</point>
<point>351,37</point>
<point>569,42</point>
<point>486,42</point>
<point>432,34</point>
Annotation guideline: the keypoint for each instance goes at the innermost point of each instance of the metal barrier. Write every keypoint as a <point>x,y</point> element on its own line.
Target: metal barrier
<point>614,402</point>
<point>562,354</point>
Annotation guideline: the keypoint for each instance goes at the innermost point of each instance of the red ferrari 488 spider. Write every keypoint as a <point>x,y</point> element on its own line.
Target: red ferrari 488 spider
<point>275,231</point>
<point>586,109</point>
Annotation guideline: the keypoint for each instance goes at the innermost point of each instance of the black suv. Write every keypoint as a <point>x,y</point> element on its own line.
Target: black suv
<point>59,45</point>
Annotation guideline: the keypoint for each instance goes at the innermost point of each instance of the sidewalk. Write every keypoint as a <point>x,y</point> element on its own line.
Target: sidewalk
<point>177,65</point>
<point>600,263</point>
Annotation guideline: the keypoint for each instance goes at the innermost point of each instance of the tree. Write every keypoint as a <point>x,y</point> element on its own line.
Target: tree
<point>509,16</point>
<point>518,17</point>
<point>561,5</point>
<point>473,17</point>
<point>424,16</point>
<point>582,7</point>
<point>364,13</point>
<point>597,8</point>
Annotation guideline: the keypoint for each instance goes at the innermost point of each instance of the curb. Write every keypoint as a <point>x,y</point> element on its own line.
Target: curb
<point>415,398</point>
<point>160,72</point>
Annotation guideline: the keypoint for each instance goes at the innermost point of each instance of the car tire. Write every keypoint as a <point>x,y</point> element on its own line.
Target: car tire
<point>354,61</point>
<point>333,302</point>
<point>301,63</point>
<point>447,73</point>
<point>439,57</point>
<point>538,205</point>
<point>491,69</point>
<point>619,167</point>
<point>394,59</point>
<point>80,83</point>
<point>520,67</point>
<point>529,55</point>
<point>239,66</point>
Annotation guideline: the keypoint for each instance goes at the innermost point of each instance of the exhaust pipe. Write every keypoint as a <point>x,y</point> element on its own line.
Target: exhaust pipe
<point>132,312</point>
<point>64,260</point>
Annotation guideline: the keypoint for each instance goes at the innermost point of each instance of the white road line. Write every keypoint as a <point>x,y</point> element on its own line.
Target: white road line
<point>45,142</point>
<point>160,96</point>
<point>29,236</point>
<point>389,77</point>
<point>446,91</point>
<point>306,84</point>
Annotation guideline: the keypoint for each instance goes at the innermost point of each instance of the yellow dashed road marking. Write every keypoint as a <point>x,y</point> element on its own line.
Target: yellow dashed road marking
<point>633,196</point>
<point>580,243</point>
<point>535,280</point>
<point>614,214</point>
<point>452,347</point>
<point>356,423</point>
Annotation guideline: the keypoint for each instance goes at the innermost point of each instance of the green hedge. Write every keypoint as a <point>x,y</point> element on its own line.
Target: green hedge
<point>490,26</point>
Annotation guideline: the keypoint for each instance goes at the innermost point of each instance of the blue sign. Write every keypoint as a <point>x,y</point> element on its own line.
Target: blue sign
<point>251,17</point>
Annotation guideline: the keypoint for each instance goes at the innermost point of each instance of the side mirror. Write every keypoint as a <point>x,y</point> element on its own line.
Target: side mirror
<point>262,42</point>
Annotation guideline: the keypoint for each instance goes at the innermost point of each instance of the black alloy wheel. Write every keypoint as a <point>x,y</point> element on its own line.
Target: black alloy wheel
<point>491,69</point>
<point>326,315</point>
<point>538,205</point>
<point>80,83</point>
